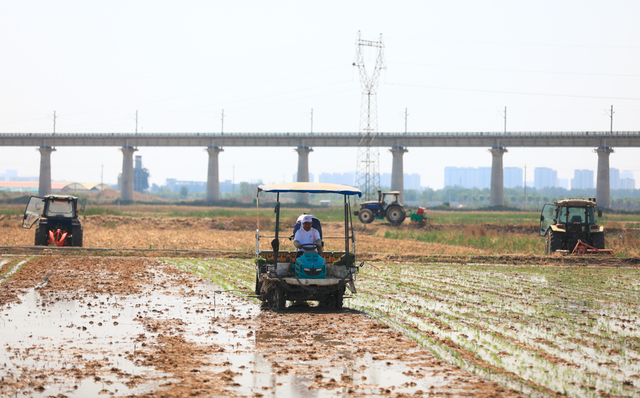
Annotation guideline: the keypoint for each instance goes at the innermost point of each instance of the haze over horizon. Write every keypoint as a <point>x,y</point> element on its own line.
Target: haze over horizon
<point>454,66</point>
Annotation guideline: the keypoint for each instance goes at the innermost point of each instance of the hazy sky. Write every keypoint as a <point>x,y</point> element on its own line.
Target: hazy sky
<point>455,65</point>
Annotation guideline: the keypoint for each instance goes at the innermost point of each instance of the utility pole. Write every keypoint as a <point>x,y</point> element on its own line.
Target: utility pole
<point>406,115</point>
<point>222,123</point>
<point>311,120</point>
<point>505,120</point>
<point>54,122</point>
<point>611,115</point>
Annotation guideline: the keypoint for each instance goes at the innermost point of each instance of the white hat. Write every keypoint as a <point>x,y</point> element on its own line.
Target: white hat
<point>306,219</point>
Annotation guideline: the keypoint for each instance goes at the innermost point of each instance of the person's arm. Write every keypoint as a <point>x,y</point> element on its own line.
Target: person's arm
<point>296,241</point>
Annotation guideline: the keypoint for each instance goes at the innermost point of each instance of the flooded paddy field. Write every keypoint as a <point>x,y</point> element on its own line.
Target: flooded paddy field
<point>128,326</point>
<point>541,330</point>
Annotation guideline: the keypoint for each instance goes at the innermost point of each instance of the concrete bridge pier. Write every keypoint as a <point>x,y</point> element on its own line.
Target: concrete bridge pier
<point>496,197</point>
<point>603,195</point>
<point>303,171</point>
<point>44,182</point>
<point>126,181</point>
<point>213,178</point>
<point>397,170</point>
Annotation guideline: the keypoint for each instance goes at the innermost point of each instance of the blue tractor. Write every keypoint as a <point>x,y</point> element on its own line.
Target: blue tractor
<point>387,206</point>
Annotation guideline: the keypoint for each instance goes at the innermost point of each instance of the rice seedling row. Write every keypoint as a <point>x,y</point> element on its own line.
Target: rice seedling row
<point>548,325</point>
<point>539,329</point>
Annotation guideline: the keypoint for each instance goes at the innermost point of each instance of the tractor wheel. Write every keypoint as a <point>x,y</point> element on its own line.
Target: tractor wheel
<point>365,216</point>
<point>277,298</point>
<point>554,241</point>
<point>598,241</point>
<point>396,215</point>
<point>76,236</point>
<point>41,236</point>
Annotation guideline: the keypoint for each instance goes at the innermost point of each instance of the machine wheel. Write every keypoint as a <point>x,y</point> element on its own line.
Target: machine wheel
<point>365,216</point>
<point>258,284</point>
<point>396,215</point>
<point>325,302</point>
<point>41,236</point>
<point>76,236</point>
<point>277,298</point>
<point>554,241</point>
<point>338,298</point>
<point>598,240</point>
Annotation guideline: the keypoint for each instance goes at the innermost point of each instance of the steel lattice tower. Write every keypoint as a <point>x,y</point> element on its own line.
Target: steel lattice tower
<point>367,167</point>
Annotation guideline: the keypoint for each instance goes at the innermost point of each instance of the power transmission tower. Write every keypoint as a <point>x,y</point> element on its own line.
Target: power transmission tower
<point>367,167</point>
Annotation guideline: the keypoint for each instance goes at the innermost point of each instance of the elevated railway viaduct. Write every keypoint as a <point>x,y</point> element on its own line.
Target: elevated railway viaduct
<point>398,143</point>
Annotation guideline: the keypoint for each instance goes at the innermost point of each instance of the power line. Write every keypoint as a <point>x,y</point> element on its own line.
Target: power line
<point>512,92</point>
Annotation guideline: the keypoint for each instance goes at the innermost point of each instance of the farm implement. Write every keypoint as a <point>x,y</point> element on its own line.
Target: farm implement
<point>306,275</point>
<point>582,248</point>
<point>418,216</point>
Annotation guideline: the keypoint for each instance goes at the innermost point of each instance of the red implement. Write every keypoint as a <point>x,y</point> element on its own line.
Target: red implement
<point>57,238</point>
<point>582,249</point>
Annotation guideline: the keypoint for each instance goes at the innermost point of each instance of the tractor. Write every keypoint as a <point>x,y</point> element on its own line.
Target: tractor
<point>305,275</point>
<point>570,227</point>
<point>387,206</point>
<point>57,218</point>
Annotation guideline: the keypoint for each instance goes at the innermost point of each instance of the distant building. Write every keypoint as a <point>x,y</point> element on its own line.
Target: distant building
<point>12,175</point>
<point>295,177</point>
<point>348,178</point>
<point>140,176</point>
<point>544,177</point>
<point>513,177</point>
<point>582,179</point>
<point>621,180</point>
<point>412,181</point>
<point>467,177</point>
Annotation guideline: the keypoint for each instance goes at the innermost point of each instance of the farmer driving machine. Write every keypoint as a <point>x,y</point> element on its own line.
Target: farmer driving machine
<point>306,275</point>
<point>57,218</point>
<point>570,227</point>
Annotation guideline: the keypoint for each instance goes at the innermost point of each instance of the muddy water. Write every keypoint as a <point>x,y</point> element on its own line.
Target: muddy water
<point>83,327</point>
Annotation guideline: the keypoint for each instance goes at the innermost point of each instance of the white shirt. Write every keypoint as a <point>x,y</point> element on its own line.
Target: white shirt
<point>307,237</point>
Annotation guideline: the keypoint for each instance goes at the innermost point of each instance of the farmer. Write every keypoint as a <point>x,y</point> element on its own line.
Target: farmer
<point>307,235</point>
<point>315,223</point>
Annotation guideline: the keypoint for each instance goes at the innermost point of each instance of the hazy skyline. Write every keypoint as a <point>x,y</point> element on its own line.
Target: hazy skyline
<point>556,66</point>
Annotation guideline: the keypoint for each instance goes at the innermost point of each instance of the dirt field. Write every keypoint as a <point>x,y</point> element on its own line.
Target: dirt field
<point>109,320</point>
<point>88,326</point>
<point>236,238</point>
<point>205,234</point>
